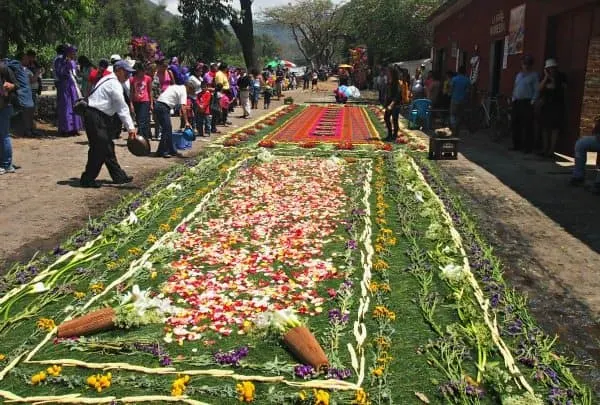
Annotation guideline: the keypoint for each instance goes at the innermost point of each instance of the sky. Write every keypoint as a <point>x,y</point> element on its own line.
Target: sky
<point>257,5</point>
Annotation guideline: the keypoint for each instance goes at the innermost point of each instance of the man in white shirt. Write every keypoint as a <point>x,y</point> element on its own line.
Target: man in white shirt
<point>106,111</point>
<point>174,96</point>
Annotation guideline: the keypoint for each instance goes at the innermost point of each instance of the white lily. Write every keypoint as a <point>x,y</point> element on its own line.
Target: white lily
<point>419,196</point>
<point>38,288</point>
<point>453,272</point>
<point>132,219</point>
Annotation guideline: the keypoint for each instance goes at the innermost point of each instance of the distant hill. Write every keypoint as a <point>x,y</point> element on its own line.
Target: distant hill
<point>283,36</point>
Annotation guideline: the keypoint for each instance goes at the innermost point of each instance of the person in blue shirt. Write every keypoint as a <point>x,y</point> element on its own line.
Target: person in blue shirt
<point>525,93</point>
<point>460,86</point>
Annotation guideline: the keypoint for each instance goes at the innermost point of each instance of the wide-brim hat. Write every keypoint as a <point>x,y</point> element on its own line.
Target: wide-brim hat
<point>138,146</point>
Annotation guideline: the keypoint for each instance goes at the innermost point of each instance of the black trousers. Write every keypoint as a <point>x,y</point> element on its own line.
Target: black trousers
<point>101,130</point>
<point>522,125</point>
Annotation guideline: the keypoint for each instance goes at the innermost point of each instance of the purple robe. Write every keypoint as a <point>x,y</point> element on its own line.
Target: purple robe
<point>66,94</point>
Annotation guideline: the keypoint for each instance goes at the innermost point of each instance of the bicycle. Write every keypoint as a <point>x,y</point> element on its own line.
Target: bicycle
<point>500,118</point>
<point>479,117</point>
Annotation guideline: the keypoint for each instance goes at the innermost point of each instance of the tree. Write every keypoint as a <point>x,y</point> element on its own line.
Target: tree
<point>39,21</point>
<point>243,28</point>
<point>392,29</point>
<point>202,13</point>
<point>315,26</point>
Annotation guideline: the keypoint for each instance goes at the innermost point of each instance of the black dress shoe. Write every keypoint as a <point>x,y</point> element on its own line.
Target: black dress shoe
<point>124,180</point>
<point>89,184</point>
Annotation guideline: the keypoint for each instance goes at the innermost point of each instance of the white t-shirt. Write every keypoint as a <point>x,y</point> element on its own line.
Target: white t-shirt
<point>174,95</point>
<point>108,98</point>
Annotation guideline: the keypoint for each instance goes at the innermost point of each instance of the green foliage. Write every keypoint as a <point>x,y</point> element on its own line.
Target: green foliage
<point>393,30</point>
<point>39,21</point>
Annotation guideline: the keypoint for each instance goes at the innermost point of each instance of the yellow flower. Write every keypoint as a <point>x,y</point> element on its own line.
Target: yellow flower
<point>361,398</point>
<point>373,287</point>
<point>153,275</point>
<point>164,228</point>
<point>382,312</point>
<point>54,371</point>
<point>385,288</point>
<point>135,251</point>
<point>384,358</point>
<point>179,385</point>
<point>79,295</point>
<point>245,391</point>
<point>302,395</point>
<point>378,372</point>
<point>112,265</point>
<point>99,382</point>
<point>2,357</point>
<point>151,238</point>
<point>321,397</point>
<point>381,265</point>
<point>46,324</point>
<point>382,342</point>
<point>97,288</point>
<point>38,378</point>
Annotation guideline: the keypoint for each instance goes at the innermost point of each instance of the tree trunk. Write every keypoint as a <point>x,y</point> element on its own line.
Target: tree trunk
<point>244,31</point>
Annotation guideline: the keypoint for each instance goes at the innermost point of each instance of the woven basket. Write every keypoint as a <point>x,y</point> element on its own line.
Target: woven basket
<point>303,344</point>
<point>94,322</point>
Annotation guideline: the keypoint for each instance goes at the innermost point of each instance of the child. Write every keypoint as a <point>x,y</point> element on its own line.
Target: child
<point>225,102</point>
<point>203,118</point>
<point>141,99</point>
<point>268,93</point>
<point>191,110</point>
<point>215,107</point>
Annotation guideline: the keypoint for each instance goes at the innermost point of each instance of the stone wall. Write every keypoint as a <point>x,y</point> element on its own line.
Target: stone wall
<point>591,95</point>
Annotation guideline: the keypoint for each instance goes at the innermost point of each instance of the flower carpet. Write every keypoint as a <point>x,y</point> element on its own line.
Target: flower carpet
<point>273,273</point>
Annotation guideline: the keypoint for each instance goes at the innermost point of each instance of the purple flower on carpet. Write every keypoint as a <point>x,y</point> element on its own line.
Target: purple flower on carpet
<point>59,251</point>
<point>232,357</point>
<point>304,371</point>
<point>339,373</point>
<point>351,244</point>
<point>337,317</point>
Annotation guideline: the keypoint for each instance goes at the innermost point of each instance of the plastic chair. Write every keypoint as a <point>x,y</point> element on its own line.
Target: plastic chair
<point>419,113</point>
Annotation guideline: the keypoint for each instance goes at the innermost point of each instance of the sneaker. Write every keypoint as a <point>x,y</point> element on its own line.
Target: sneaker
<point>2,170</point>
<point>10,169</point>
<point>576,181</point>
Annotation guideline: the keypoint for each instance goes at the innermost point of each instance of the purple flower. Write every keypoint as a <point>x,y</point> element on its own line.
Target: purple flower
<point>304,371</point>
<point>358,212</point>
<point>339,373</point>
<point>351,244</point>
<point>232,357</point>
<point>58,251</point>
<point>337,317</point>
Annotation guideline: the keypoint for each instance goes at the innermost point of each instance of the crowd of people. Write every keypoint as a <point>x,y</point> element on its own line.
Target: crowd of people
<point>203,95</point>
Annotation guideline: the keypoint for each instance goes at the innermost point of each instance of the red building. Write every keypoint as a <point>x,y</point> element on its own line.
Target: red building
<point>504,30</point>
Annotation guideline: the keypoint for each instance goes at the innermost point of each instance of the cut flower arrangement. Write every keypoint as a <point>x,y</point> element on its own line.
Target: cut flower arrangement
<point>277,276</point>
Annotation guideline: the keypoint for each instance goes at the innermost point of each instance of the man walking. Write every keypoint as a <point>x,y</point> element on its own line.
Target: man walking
<point>525,92</point>
<point>244,86</point>
<point>106,111</point>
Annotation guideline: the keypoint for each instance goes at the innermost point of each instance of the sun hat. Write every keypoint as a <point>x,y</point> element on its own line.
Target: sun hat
<point>550,63</point>
<point>115,58</point>
<point>123,65</point>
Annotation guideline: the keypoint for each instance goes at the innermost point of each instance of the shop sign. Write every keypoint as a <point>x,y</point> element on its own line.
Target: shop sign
<point>498,26</point>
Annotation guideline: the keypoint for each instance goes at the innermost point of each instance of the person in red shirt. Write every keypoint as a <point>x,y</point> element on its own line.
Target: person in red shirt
<point>141,99</point>
<point>203,118</point>
<point>97,74</point>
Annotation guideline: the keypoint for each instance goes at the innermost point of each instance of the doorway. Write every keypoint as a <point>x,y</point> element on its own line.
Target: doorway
<point>496,58</point>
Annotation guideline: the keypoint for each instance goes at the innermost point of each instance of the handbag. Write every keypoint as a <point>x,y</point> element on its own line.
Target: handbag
<point>81,104</point>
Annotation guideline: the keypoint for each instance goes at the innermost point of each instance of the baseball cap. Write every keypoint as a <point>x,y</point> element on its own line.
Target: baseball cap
<point>114,58</point>
<point>123,65</point>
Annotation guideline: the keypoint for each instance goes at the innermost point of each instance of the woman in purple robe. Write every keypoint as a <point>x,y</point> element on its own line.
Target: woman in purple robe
<point>69,123</point>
